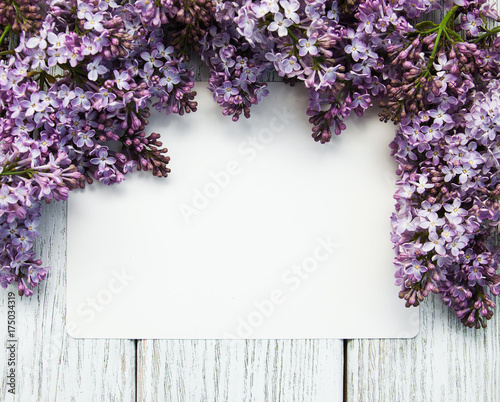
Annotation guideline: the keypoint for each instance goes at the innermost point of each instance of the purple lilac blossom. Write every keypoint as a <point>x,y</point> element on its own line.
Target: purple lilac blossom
<point>115,59</point>
<point>454,219</point>
<point>56,128</point>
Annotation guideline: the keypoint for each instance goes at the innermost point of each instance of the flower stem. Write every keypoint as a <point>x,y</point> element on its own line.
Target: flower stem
<point>5,32</point>
<point>18,12</point>
<point>487,34</point>
<point>29,172</point>
<point>441,29</point>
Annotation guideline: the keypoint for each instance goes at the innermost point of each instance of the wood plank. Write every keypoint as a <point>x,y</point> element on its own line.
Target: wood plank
<point>239,370</point>
<point>51,366</point>
<point>445,362</point>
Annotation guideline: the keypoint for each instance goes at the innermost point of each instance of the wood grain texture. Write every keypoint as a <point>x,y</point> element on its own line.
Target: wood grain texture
<point>445,362</point>
<point>51,366</point>
<point>240,371</point>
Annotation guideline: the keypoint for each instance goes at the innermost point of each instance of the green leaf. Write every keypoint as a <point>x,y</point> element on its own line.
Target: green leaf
<point>425,26</point>
<point>454,35</point>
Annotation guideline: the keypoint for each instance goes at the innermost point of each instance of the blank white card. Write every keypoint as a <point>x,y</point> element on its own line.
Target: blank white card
<point>258,232</point>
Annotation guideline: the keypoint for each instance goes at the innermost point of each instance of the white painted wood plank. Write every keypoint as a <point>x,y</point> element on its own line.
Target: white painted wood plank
<point>51,366</point>
<point>445,362</point>
<point>253,370</point>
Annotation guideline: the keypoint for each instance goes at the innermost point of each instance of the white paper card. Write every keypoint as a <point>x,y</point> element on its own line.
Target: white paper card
<point>258,232</point>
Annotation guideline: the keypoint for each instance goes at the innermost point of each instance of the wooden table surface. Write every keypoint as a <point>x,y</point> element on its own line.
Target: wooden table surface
<point>445,362</point>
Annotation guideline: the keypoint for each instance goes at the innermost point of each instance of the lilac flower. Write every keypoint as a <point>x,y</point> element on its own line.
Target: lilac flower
<point>66,95</point>
<point>82,99</point>
<point>273,5</point>
<point>289,65</point>
<point>57,41</point>
<point>164,52</point>
<point>249,74</point>
<point>57,56</point>
<point>435,243</point>
<point>45,142</point>
<point>33,105</point>
<point>151,59</point>
<point>22,127</point>
<point>38,41</point>
<point>363,101</point>
<point>307,47</point>
<point>454,209</point>
<point>85,139</point>
<point>103,5</point>
<point>83,9</point>
<point>6,197</point>
<point>103,99</point>
<point>170,79</point>
<point>261,92</point>
<point>260,10</point>
<point>93,21</point>
<point>422,184</point>
<point>476,276</point>
<point>367,23</point>
<point>102,159</point>
<point>456,245</point>
<point>95,68</point>
<point>440,117</point>
<point>432,222</point>
<point>356,50</point>
<point>89,47</point>
<point>416,269</point>
<point>280,24</point>
<point>407,223</point>
<point>228,90</point>
<point>121,79</point>
<point>464,172</point>
<point>472,24</point>
<point>290,7</point>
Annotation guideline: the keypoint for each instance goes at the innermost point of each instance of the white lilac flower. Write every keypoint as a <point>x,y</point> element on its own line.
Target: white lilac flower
<point>432,222</point>
<point>290,7</point>
<point>422,184</point>
<point>95,69</point>
<point>307,46</point>
<point>357,49</point>
<point>436,243</point>
<point>280,24</point>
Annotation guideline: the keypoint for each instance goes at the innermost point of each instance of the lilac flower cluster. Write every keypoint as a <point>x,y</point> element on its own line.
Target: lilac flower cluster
<point>343,52</point>
<point>445,228</point>
<point>236,72</point>
<point>351,55</point>
<point>446,224</point>
<point>75,90</point>
<point>185,22</point>
<point>20,15</point>
<point>301,41</point>
<point>78,78</point>
<point>434,64</point>
<point>29,175</point>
